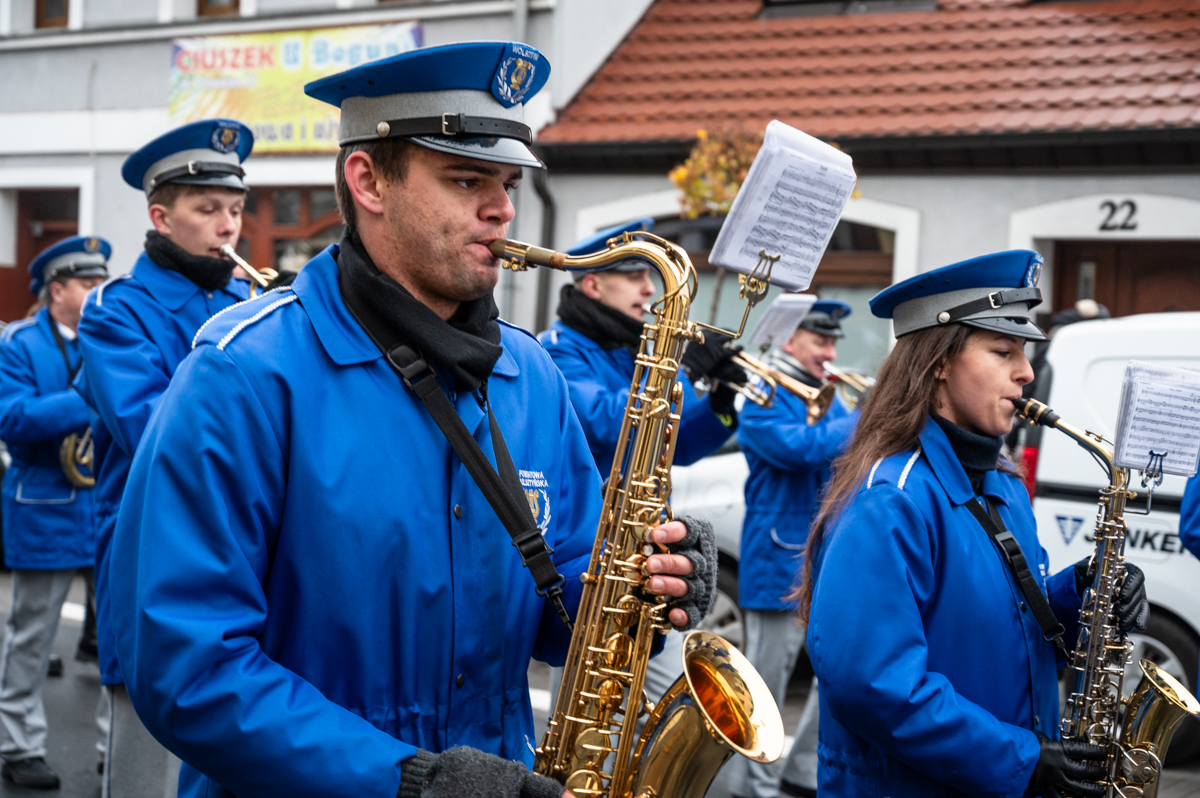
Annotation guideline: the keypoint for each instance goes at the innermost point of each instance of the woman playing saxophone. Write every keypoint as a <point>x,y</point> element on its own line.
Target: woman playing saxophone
<point>939,677</point>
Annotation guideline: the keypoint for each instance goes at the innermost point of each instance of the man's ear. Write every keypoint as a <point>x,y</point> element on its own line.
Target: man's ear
<point>365,182</point>
<point>160,217</point>
<point>589,286</point>
<point>54,291</point>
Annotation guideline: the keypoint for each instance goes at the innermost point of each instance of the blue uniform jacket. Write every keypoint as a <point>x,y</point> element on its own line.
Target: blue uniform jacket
<point>932,676</point>
<point>1189,516</point>
<point>135,330</point>
<point>48,522</point>
<point>599,382</point>
<point>789,466</point>
<point>317,586</point>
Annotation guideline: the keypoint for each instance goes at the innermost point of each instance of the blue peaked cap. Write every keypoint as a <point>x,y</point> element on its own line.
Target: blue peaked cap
<point>204,153</point>
<point>595,243</point>
<point>825,316</point>
<point>77,256</point>
<point>464,99</point>
<point>995,292</point>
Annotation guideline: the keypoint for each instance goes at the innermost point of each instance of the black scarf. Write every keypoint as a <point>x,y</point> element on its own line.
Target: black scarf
<point>977,453</point>
<point>464,349</point>
<point>208,273</point>
<point>608,327</point>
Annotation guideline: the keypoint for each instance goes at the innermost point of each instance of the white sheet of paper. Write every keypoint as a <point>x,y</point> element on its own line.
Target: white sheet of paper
<point>1160,413</point>
<point>781,319</point>
<point>789,205</point>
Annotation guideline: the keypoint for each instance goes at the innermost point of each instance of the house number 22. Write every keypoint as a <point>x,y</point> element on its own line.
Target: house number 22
<point>1118,215</point>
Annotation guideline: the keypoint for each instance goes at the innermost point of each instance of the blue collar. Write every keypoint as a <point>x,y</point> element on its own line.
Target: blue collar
<point>169,288</point>
<point>344,340</point>
<point>949,470</point>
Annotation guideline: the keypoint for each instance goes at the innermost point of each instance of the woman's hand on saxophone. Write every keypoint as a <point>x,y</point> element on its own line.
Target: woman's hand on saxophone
<point>688,573</point>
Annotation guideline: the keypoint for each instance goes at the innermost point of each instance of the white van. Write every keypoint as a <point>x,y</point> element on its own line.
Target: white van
<point>1082,383</point>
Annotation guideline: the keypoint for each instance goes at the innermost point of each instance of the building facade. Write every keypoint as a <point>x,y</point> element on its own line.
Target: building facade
<point>86,82</point>
<point>1072,128</point>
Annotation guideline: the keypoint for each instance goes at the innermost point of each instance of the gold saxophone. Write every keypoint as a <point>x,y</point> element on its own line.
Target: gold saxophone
<point>720,705</point>
<point>1137,743</point>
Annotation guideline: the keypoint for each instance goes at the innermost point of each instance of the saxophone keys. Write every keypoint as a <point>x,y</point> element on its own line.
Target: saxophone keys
<point>585,782</point>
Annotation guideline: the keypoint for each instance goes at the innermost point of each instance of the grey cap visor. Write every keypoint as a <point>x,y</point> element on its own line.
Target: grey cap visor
<point>76,264</point>
<point>182,158</point>
<point>922,312</point>
<point>361,117</point>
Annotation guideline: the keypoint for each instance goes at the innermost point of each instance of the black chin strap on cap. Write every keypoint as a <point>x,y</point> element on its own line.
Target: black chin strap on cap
<point>456,126</point>
<point>195,168</point>
<point>993,301</point>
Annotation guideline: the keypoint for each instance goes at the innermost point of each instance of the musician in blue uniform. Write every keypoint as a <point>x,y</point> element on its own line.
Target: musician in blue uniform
<point>935,654</point>
<point>789,466</point>
<point>48,518</point>
<point>134,332</point>
<point>593,342</point>
<point>322,600</point>
<point>1189,516</point>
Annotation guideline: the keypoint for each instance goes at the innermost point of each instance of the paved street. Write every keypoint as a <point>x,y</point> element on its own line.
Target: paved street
<point>71,702</point>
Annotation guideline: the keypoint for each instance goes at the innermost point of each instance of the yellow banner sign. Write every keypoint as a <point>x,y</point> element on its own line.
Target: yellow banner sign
<point>259,78</point>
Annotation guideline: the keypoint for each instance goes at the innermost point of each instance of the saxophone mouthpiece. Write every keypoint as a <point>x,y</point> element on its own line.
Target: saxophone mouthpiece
<point>531,255</point>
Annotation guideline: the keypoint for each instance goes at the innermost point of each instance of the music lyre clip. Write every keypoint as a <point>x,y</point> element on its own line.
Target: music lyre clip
<point>1152,477</point>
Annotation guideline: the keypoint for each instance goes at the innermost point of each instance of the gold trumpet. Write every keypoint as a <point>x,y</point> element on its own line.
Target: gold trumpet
<point>77,456</point>
<point>854,387</point>
<point>818,400</point>
<point>262,277</point>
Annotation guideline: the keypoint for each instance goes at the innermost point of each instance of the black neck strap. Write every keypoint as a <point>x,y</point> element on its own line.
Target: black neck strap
<point>502,487</point>
<point>62,350</point>
<point>1014,558</point>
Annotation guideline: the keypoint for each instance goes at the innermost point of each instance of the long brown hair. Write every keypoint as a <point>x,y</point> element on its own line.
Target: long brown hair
<point>893,416</point>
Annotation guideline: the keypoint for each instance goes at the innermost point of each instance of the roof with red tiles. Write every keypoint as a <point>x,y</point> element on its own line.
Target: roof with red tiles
<point>969,68</point>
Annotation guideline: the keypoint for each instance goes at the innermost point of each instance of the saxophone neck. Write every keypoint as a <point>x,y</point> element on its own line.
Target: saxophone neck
<point>671,262</point>
<point>1036,412</point>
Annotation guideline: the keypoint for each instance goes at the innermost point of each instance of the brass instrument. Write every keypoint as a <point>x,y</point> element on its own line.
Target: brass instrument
<point>1138,745</point>
<point>77,456</point>
<point>720,705</point>
<point>817,399</point>
<point>262,277</point>
<point>853,387</point>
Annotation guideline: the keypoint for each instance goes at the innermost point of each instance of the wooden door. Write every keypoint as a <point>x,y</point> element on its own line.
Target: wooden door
<point>43,218</point>
<point>1128,277</point>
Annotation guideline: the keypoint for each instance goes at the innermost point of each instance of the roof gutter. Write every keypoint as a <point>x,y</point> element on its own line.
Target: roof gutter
<point>549,220</point>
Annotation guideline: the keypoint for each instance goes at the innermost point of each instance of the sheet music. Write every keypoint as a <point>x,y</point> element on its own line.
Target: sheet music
<point>789,205</point>
<point>1159,417</point>
<point>781,319</point>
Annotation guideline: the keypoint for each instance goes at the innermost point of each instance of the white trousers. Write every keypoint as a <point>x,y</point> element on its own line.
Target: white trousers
<point>773,643</point>
<point>135,764</point>
<point>37,602</point>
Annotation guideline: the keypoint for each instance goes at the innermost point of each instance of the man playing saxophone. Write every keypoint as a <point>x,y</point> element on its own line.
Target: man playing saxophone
<point>324,600</point>
<point>789,465</point>
<point>932,618</point>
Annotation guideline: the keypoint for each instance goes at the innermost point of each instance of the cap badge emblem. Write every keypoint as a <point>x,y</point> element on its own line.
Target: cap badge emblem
<point>92,245</point>
<point>515,75</point>
<point>225,137</point>
<point>1033,273</point>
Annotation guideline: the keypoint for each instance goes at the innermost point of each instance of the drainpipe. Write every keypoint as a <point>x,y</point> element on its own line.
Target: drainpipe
<point>549,211</point>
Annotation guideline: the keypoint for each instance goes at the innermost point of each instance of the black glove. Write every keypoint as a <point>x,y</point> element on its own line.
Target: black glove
<point>726,374</point>
<point>470,773</point>
<point>700,546</point>
<point>1062,770</point>
<point>701,361</point>
<point>1133,608</point>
